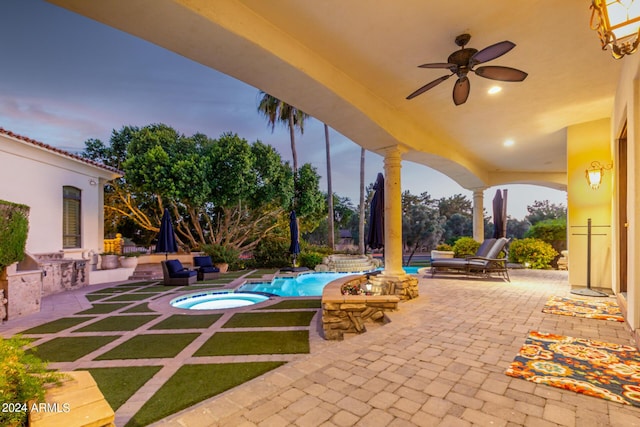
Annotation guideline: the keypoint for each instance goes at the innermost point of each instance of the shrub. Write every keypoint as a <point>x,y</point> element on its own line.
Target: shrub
<point>533,253</point>
<point>552,231</point>
<point>14,228</point>
<point>22,379</point>
<point>465,246</point>
<point>310,259</point>
<point>444,247</point>
<point>223,254</point>
<point>272,252</point>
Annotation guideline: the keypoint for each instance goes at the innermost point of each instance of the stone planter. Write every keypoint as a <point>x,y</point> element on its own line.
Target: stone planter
<point>109,262</point>
<point>441,254</point>
<point>222,266</point>
<point>128,261</point>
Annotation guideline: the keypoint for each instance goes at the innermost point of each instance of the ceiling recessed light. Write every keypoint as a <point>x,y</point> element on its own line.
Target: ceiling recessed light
<point>508,143</point>
<point>494,89</point>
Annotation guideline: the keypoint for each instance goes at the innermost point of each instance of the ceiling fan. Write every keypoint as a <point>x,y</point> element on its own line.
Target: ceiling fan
<point>464,60</point>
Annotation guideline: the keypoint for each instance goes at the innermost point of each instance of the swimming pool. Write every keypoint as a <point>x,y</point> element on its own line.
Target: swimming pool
<point>303,285</point>
<point>216,300</point>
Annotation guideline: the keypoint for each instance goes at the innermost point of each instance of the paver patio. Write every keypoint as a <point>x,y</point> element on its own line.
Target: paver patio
<point>440,361</point>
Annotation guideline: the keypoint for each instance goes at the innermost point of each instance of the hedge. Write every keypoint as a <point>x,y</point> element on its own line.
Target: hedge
<point>14,228</point>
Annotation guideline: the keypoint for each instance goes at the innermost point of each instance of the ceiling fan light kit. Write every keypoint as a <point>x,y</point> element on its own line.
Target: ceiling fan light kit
<point>462,61</point>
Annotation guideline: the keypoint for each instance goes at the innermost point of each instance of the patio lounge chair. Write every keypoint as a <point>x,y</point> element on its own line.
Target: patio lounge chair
<point>205,268</point>
<point>176,275</point>
<point>486,265</point>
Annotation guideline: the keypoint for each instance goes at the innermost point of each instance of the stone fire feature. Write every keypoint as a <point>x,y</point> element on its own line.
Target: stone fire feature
<point>348,313</point>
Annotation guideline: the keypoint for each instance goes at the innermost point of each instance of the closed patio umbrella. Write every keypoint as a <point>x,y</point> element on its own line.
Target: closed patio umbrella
<point>375,237</point>
<point>166,237</point>
<point>294,248</point>
<point>498,219</point>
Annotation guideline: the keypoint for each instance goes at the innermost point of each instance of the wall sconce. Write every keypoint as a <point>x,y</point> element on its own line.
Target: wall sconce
<point>617,23</point>
<point>92,182</point>
<point>595,173</point>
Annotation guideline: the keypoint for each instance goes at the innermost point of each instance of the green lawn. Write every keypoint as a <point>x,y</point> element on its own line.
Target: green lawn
<point>150,346</point>
<point>68,349</point>
<point>261,342</point>
<point>188,321</point>
<point>104,308</point>
<point>119,384</point>
<point>117,323</point>
<point>194,383</point>
<point>57,325</point>
<point>271,319</point>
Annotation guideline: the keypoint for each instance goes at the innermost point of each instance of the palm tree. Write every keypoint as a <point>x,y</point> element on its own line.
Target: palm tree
<point>361,222</point>
<point>281,112</point>
<point>331,241</point>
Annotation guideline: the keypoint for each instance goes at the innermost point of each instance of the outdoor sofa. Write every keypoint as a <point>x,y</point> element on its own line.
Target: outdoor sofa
<point>205,268</point>
<point>485,262</point>
<point>176,275</point>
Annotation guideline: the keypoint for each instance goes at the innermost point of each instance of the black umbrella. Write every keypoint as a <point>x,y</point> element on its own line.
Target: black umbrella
<point>294,248</point>
<point>375,238</point>
<point>498,219</point>
<point>166,237</point>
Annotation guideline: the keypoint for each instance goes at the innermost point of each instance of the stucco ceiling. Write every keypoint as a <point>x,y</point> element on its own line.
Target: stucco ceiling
<point>352,63</point>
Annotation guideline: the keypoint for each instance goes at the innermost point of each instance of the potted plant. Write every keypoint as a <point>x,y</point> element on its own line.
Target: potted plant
<point>443,250</point>
<point>129,260</point>
<point>222,256</point>
<point>23,377</point>
<point>109,260</point>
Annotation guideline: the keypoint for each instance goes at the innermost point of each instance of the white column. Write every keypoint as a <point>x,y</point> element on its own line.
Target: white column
<point>478,214</point>
<point>393,213</point>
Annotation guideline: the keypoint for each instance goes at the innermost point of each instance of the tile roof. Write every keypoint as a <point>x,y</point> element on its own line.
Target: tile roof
<point>59,151</point>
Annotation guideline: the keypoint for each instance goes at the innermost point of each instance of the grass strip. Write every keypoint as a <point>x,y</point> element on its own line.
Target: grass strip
<point>139,308</point>
<point>119,384</point>
<point>117,323</point>
<point>155,288</point>
<point>57,325</point>
<point>113,290</point>
<point>96,297</point>
<point>188,321</point>
<point>194,383</point>
<point>271,319</point>
<point>294,303</point>
<point>131,297</point>
<point>136,284</point>
<point>104,308</point>
<point>149,346</point>
<point>69,349</point>
<point>258,342</point>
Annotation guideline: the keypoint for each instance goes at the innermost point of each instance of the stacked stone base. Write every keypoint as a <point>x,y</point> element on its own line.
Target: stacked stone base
<point>347,314</point>
<point>405,288</point>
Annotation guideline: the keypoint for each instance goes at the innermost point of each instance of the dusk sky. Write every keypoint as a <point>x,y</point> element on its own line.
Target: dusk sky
<point>65,78</point>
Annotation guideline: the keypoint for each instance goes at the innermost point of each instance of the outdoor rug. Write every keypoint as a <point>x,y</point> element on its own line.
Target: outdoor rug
<point>605,370</point>
<point>603,309</point>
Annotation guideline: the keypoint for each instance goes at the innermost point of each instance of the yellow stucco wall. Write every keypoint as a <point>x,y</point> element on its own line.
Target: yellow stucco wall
<point>587,142</point>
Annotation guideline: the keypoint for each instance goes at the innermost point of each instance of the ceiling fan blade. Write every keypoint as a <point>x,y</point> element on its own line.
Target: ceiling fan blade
<point>505,74</point>
<point>439,65</point>
<point>428,86</point>
<point>461,90</point>
<point>491,52</point>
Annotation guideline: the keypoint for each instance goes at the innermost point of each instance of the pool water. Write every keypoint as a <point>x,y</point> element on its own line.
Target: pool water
<point>216,300</point>
<point>304,285</point>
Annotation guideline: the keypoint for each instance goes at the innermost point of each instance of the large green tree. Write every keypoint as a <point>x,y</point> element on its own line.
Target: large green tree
<point>422,224</point>
<point>219,191</point>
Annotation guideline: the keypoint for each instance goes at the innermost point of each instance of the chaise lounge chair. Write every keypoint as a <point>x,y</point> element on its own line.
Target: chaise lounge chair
<point>176,275</point>
<point>205,268</point>
<point>479,264</point>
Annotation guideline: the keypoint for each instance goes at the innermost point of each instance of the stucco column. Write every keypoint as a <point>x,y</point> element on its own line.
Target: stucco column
<point>478,214</point>
<point>393,213</point>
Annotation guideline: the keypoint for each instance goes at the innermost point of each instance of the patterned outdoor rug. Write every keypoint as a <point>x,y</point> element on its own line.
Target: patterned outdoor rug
<point>603,309</point>
<point>595,368</point>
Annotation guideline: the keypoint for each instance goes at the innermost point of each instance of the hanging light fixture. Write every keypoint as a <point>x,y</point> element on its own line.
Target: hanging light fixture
<point>595,173</point>
<point>617,23</point>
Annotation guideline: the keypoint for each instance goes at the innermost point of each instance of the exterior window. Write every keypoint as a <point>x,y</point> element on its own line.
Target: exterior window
<point>71,235</point>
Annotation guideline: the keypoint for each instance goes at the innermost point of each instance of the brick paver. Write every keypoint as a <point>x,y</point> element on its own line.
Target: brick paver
<point>440,361</point>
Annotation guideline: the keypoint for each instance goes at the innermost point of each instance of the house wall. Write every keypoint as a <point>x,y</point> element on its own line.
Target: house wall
<point>588,142</point>
<point>35,176</point>
<point>627,110</point>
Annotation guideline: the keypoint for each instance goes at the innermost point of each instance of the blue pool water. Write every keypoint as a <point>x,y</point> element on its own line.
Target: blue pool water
<point>216,300</point>
<point>304,285</point>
